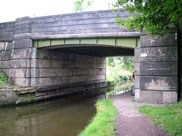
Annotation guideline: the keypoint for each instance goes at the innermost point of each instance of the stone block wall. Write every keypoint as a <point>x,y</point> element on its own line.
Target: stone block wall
<point>78,23</point>
<point>7,31</point>
<point>156,69</point>
<point>16,62</point>
<point>37,67</point>
<point>56,68</point>
<point>18,54</point>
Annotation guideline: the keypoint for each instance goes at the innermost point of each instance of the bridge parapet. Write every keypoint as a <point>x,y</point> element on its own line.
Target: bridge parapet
<point>86,24</point>
<point>78,23</point>
<point>7,31</point>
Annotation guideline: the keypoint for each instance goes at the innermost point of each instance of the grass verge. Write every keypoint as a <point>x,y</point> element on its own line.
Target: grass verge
<point>169,117</point>
<point>103,122</point>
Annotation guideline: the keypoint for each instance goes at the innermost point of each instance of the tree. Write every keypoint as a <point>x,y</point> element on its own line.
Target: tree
<point>126,62</point>
<point>152,16</point>
<point>157,17</point>
<point>82,5</point>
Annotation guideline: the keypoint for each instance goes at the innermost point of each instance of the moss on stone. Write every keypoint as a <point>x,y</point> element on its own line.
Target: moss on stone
<point>3,78</point>
<point>26,98</point>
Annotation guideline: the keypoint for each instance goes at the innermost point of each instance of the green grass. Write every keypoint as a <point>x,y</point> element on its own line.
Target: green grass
<point>103,122</point>
<point>169,117</point>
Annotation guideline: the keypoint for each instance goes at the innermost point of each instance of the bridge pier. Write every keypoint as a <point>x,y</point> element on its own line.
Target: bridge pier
<point>156,65</point>
<point>18,54</point>
<point>17,62</point>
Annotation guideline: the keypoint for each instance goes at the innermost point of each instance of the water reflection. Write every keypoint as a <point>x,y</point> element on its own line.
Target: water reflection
<point>53,118</point>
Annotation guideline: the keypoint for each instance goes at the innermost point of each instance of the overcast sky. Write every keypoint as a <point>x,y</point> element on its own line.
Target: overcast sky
<point>12,9</point>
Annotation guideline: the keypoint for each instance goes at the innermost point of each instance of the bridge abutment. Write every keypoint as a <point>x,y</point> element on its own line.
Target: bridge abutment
<point>156,65</point>
<point>40,67</point>
<point>16,63</point>
<point>55,68</point>
<point>18,54</point>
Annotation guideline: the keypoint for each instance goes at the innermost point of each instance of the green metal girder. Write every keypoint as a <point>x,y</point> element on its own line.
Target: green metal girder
<point>116,41</point>
<point>43,43</point>
<point>88,41</point>
<point>72,41</point>
<point>126,42</point>
<point>107,41</point>
<point>57,42</point>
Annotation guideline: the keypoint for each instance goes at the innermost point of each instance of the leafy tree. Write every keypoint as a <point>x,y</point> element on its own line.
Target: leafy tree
<point>82,5</point>
<point>120,69</point>
<point>126,62</point>
<point>153,16</point>
<point>157,17</point>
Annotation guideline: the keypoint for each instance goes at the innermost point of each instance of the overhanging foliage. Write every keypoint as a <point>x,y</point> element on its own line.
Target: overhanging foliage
<point>153,16</point>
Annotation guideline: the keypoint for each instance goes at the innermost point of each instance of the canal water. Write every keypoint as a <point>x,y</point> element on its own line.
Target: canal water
<point>51,118</point>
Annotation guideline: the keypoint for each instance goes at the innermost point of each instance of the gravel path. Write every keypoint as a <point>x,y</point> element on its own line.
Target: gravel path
<point>130,122</point>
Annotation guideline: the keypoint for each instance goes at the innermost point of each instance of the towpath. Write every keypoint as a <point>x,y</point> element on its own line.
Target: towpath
<point>130,122</point>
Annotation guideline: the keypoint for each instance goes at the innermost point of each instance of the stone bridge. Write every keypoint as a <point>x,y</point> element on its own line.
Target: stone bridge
<point>71,49</point>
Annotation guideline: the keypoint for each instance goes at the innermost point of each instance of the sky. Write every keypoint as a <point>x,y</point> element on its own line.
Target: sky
<point>12,9</point>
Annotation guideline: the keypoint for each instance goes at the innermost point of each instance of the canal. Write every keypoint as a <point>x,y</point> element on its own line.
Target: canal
<point>60,117</point>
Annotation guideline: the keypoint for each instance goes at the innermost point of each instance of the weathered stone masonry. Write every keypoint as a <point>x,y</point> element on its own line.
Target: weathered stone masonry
<point>50,67</point>
<point>29,66</point>
<point>156,71</point>
<point>54,67</point>
<point>71,48</point>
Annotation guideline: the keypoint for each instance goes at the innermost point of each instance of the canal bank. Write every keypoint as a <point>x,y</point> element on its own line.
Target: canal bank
<point>67,115</point>
<point>119,116</point>
<point>102,123</point>
<point>17,95</point>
